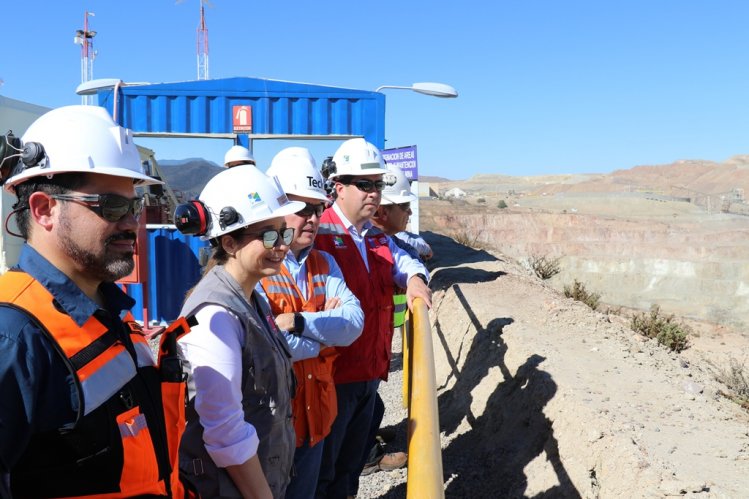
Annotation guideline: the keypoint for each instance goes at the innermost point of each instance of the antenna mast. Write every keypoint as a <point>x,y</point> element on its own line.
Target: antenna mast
<point>85,38</point>
<point>202,46</point>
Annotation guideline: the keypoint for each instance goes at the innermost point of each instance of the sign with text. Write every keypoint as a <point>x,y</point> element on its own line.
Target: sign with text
<point>242,119</point>
<point>405,159</point>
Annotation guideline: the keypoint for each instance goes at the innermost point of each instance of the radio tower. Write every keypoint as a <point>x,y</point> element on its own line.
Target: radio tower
<point>202,45</point>
<point>85,38</point>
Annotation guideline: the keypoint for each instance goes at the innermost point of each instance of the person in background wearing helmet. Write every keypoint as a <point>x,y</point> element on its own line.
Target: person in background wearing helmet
<point>238,155</point>
<point>316,311</point>
<point>239,440</point>
<point>84,409</point>
<point>394,212</point>
<point>372,266</point>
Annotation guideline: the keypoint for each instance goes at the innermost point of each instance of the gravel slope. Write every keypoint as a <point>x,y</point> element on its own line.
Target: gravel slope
<point>542,397</point>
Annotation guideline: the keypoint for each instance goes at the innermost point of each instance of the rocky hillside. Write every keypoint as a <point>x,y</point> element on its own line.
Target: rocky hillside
<point>539,396</point>
<point>188,176</point>
<point>684,178</point>
<point>634,252</point>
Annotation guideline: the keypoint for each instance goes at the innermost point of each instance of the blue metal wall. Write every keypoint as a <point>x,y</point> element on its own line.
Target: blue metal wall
<point>173,268</point>
<point>205,107</point>
<point>278,108</point>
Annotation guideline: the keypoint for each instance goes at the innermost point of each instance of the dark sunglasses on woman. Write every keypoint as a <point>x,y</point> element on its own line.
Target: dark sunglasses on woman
<point>271,237</point>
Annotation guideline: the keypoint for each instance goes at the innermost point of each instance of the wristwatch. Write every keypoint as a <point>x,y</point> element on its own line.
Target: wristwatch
<point>298,324</point>
<point>422,277</point>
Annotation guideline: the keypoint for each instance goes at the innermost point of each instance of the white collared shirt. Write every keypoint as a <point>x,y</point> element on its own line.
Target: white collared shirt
<point>404,266</point>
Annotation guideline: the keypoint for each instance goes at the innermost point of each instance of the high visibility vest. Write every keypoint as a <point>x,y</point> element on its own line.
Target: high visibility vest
<point>315,405</point>
<point>367,358</point>
<point>400,305</point>
<point>122,444</point>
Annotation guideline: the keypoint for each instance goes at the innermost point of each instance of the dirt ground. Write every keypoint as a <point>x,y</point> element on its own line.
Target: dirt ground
<point>540,396</point>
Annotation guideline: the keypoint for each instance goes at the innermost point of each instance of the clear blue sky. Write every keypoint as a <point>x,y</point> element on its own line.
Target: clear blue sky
<point>546,86</point>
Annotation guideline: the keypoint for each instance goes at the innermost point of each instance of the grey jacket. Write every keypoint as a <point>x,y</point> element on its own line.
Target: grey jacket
<point>268,384</point>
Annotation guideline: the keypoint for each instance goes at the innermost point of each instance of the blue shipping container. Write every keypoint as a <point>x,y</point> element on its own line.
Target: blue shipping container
<point>173,268</point>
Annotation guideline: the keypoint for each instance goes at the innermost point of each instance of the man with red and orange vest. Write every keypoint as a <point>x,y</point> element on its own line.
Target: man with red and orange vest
<point>317,312</point>
<point>85,410</point>
<point>372,266</point>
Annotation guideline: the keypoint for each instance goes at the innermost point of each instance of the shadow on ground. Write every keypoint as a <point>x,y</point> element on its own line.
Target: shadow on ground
<point>510,432</point>
<point>450,258</point>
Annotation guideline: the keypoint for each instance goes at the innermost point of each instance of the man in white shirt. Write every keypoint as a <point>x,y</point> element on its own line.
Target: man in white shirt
<point>372,266</point>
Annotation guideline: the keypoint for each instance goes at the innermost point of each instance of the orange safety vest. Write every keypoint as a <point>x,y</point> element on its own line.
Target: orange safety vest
<point>102,366</point>
<point>367,358</point>
<point>315,405</point>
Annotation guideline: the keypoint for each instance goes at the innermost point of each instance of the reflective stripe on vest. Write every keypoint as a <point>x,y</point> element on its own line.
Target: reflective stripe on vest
<point>102,363</point>
<point>315,404</point>
<point>400,305</point>
<point>102,366</point>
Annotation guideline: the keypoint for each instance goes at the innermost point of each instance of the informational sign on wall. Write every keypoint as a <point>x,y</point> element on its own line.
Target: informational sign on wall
<point>405,159</point>
<point>242,119</point>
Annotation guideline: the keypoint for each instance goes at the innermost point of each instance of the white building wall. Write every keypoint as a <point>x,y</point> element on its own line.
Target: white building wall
<point>15,115</point>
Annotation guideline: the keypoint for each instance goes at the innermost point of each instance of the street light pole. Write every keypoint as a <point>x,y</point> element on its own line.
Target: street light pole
<point>427,88</point>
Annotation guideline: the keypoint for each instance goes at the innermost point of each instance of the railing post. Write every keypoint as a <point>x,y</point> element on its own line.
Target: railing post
<point>425,479</point>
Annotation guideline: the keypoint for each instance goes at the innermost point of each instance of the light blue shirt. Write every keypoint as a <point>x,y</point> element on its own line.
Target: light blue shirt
<point>415,241</point>
<point>405,266</point>
<point>336,327</point>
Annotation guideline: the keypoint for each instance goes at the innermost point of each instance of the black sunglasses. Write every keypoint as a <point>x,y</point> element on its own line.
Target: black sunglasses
<point>311,209</point>
<point>365,185</point>
<point>403,206</point>
<point>110,207</point>
<point>270,237</point>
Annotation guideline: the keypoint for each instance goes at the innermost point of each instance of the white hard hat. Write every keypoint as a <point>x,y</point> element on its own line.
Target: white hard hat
<point>80,139</point>
<point>357,157</point>
<point>397,189</point>
<point>297,171</point>
<point>238,153</point>
<point>241,196</point>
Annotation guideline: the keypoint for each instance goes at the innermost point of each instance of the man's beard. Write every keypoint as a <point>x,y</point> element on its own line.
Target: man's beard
<point>103,266</point>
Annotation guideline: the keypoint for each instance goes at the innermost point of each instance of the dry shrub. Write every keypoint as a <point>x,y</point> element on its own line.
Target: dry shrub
<point>614,311</point>
<point>664,328</point>
<point>467,237</point>
<point>543,266</point>
<point>736,379</point>
<point>578,292</point>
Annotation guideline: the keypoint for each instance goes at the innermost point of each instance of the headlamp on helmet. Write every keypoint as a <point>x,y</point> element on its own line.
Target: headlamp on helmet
<point>15,156</point>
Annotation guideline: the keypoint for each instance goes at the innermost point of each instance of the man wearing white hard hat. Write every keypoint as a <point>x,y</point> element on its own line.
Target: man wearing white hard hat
<point>394,212</point>
<point>238,155</point>
<point>84,409</point>
<point>391,218</point>
<point>316,310</point>
<point>372,266</point>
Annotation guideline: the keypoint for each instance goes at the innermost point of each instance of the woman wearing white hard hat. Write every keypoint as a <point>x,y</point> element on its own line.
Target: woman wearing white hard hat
<point>239,440</point>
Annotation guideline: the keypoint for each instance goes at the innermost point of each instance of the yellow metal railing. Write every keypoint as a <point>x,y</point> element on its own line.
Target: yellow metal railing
<point>420,396</point>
